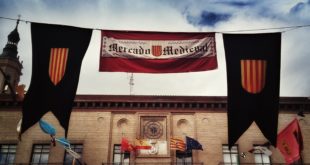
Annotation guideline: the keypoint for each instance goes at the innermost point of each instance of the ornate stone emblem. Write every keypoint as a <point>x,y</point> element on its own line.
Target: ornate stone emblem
<point>153,129</point>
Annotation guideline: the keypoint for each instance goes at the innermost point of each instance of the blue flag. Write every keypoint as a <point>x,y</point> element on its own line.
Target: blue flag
<point>192,144</point>
<point>47,127</point>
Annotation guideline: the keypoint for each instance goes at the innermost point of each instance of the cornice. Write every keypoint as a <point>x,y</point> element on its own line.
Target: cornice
<point>179,103</point>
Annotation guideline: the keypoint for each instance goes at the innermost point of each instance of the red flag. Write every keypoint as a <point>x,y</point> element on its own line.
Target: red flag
<point>157,52</point>
<point>290,142</point>
<point>125,146</point>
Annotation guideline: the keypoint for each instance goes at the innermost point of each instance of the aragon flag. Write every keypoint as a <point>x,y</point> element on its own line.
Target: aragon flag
<point>253,82</point>
<point>57,54</point>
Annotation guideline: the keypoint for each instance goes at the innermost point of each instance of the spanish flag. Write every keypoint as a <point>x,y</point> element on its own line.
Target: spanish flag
<point>142,144</point>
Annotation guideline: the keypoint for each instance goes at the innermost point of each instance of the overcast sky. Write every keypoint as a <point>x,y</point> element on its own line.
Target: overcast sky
<point>174,16</point>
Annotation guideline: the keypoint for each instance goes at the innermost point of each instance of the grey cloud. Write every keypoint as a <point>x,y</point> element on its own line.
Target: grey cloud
<point>207,18</point>
<point>298,7</point>
<point>238,3</point>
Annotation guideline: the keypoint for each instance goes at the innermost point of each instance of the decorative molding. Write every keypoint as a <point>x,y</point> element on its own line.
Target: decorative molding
<point>168,103</point>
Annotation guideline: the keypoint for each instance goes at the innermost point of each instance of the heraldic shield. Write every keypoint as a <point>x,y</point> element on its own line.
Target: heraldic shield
<point>156,50</point>
<point>57,64</point>
<point>253,75</point>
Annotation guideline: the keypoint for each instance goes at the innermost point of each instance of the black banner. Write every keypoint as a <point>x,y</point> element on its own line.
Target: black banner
<point>57,52</point>
<point>253,82</point>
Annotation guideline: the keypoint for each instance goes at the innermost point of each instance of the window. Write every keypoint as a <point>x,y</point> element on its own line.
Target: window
<point>40,153</point>
<point>260,157</point>
<point>119,157</point>
<point>78,148</point>
<point>231,157</point>
<point>7,153</point>
<point>184,158</point>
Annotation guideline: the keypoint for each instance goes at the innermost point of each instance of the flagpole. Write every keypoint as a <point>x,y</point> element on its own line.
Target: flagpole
<point>301,159</point>
<point>131,84</point>
<point>184,155</point>
<point>122,156</point>
<point>122,152</point>
<point>300,116</point>
<point>300,151</point>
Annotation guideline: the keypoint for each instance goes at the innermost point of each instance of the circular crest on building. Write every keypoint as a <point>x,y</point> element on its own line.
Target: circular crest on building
<point>153,129</point>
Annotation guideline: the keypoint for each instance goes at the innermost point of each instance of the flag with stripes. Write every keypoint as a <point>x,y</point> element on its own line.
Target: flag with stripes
<point>253,74</point>
<point>177,144</point>
<point>253,82</point>
<point>57,53</point>
<point>156,50</point>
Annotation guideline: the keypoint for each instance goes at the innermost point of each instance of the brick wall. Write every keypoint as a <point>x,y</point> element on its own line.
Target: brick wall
<point>99,129</point>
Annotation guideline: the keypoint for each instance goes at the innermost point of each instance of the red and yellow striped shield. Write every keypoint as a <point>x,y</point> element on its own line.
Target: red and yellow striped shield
<point>57,64</point>
<point>253,73</point>
<point>156,50</point>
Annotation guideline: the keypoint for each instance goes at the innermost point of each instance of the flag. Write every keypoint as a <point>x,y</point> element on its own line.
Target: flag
<point>253,82</point>
<point>157,52</point>
<point>57,54</point>
<point>177,144</point>
<point>47,127</point>
<point>125,146</point>
<point>142,144</point>
<point>192,144</point>
<point>64,142</point>
<point>290,142</point>
<point>261,149</point>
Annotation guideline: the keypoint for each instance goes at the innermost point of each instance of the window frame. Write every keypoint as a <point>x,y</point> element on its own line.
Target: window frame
<point>42,152</point>
<point>258,153</point>
<point>232,153</point>
<point>74,147</point>
<point>187,159</point>
<point>117,151</point>
<point>8,153</point>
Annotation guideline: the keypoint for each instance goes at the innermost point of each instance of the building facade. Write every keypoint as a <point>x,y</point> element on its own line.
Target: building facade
<point>99,122</point>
